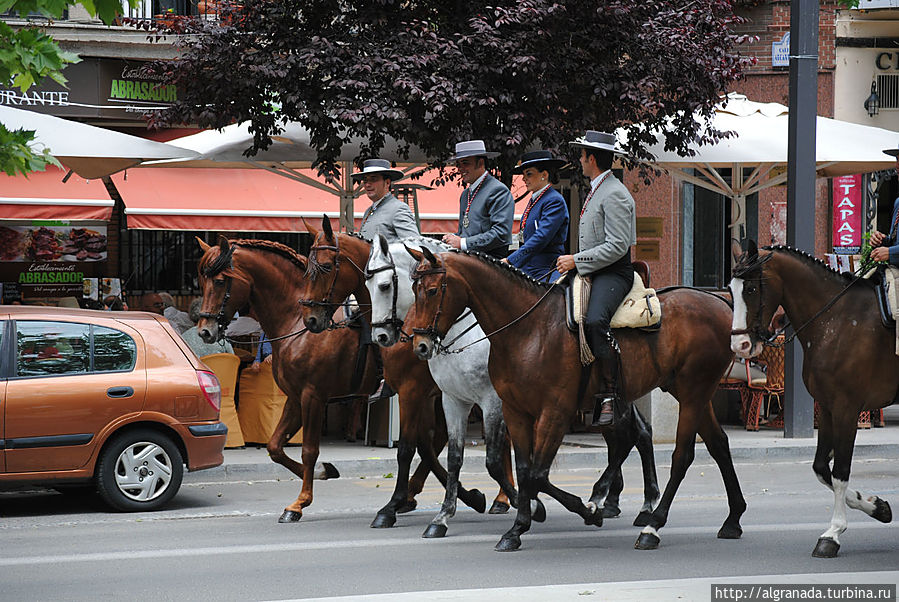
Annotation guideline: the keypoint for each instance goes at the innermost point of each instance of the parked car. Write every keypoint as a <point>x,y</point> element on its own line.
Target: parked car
<point>111,400</point>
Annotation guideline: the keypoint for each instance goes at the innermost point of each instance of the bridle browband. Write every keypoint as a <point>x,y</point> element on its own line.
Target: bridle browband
<point>225,261</point>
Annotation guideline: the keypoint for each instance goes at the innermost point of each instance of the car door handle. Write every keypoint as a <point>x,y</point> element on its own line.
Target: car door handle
<point>119,391</point>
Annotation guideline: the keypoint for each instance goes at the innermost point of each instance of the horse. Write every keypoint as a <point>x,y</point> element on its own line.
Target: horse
<point>268,276</point>
<point>535,367</point>
<point>463,377</point>
<point>327,286</point>
<point>849,361</point>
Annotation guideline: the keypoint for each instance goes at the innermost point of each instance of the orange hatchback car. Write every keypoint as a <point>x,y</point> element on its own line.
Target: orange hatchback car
<point>111,400</point>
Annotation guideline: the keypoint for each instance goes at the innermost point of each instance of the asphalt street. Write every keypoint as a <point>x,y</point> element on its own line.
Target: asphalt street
<point>221,540</point>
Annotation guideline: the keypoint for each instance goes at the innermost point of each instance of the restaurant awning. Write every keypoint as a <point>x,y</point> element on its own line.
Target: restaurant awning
<point>44,196</point>
<point>251,200</point>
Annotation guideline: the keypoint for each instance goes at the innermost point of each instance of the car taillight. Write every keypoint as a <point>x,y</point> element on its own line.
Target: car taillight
<point>212,390</point>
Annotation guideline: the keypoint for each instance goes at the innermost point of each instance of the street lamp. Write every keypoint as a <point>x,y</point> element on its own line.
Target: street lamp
<point>872,104</point>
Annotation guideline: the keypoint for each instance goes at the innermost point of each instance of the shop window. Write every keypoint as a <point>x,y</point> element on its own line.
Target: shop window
<point>114,351</point>
<point>888,90</point>
<point>52,348</point>
<point>710,234</point>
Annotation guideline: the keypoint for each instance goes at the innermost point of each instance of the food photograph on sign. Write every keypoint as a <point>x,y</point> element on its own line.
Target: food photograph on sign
<point>52,243</point>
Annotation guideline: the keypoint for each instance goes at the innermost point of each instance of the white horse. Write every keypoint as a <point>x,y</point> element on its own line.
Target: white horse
<point>462,377</point>
<point>464,380</point>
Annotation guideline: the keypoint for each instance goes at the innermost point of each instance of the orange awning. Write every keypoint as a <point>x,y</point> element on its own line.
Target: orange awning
<point>44,196</point>
<point>252,200</point>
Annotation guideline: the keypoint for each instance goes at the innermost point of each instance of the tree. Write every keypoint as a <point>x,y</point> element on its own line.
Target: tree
<point>516,73</point>
<point>28,55</point>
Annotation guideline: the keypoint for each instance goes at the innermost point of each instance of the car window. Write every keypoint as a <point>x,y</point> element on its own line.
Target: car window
<point>46,348</point>
<point>114,350</point>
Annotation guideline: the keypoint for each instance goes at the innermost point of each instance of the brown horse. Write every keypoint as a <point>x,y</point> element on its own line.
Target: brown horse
<point>534,365</point>
<point>268,276</point>
<point>337,269</point>
<point>849,363</point>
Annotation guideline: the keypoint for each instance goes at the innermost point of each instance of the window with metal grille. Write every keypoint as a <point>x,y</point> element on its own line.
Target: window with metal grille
<point>888,90</point>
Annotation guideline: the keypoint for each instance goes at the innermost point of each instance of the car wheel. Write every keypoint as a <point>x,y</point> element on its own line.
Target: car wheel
<point>139,470</point>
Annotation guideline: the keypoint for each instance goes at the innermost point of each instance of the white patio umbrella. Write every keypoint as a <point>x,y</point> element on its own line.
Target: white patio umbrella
<point>291,151</point>
<point>89,151</point>
<point>842,148</point>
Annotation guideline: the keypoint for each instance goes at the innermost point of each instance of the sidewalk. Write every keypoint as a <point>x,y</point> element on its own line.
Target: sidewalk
<point>579,450</point>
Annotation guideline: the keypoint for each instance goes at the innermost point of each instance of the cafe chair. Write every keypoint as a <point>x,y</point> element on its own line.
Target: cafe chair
<point>261,404</point>
<point>225,366</point>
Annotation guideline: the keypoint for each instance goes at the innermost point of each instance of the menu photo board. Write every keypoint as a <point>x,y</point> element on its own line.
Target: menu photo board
<point>51,258</point>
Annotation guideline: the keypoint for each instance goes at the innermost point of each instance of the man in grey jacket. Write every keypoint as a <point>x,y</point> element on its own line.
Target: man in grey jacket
<point>486,208</point>
<point>606,232</point>
<point>387,214</point>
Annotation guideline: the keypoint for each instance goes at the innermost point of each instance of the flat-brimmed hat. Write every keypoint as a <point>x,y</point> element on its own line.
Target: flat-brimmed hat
<point>378,167</point>
<point>598,141</point>
<point>893,152</point>
<point>539,159</point>
<point>471,148</point>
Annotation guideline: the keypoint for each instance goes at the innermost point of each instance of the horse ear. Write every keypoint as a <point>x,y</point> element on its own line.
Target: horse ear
<point>736,249</point>
<point>203,244</point>
<point>416,255</point>
<point>326,227</point>
<point>752,251</point>
<point>385,250</point>
<point>311,229</point>
<point>224,244</point>
<point>429,256</point>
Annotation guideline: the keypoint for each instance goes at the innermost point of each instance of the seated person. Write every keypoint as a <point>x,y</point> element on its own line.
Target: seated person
<point>192,337</point>
<point>263,354</point>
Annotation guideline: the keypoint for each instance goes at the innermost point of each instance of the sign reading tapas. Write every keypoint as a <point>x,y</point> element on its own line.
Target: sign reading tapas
<point>64,244</point>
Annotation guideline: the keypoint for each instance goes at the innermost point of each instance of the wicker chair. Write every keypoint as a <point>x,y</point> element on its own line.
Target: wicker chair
<point>771,389</point>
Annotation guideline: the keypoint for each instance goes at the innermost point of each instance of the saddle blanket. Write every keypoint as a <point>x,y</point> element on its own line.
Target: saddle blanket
<point>891,282</point>
<point>641,308</point>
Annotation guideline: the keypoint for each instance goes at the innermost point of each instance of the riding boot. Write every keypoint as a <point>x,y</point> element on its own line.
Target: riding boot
<point>604,403</point>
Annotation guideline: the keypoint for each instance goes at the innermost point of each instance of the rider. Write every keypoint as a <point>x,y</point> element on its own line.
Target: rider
<point>486,208</point>
<point>544,223</point>
<point>606,231</point>
<point>887,246</point>
<point>387,214</point>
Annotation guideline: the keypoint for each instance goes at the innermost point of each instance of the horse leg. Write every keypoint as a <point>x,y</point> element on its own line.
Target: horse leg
<point>716,442</point>
<point>681,459</point>
<point>606,491</point>
<point>456,413</point>
<point>353,419</point>
<point>648,462</point>
<point>521,430</point>
<point>311,416</point>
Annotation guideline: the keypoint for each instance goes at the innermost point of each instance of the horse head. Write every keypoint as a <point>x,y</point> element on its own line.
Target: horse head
<point>437,303</point>
<point>756,294</point>
<point>224,291</point>
<point>327,284</point>
<point>390,291</point>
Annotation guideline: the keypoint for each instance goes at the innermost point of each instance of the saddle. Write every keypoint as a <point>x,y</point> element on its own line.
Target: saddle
<point>639,309</point>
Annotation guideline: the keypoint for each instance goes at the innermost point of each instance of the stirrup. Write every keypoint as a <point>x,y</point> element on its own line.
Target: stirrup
<point>606,414</point>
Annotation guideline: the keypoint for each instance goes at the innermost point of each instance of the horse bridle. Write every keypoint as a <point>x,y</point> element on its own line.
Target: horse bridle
<point>315,268</point>
<point>431,331</point>
<point>393,320</point>
<point>222,263</point>
<point>761,333</point>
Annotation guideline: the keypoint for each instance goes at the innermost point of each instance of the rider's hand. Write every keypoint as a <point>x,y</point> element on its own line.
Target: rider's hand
<point>877,238</point>
<point>453,241</point>
<point>565,263</point>
<point>880,254</point>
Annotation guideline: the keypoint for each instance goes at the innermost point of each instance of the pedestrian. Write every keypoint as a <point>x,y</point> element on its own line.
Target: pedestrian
<point>607,229</point>
<point>192,337</point>
<point>113,303</point>
<point>486,208</point>
<point>544,222</point>
<point>886,246</point>
<point>152,302</point>
<point>263,354</point>
<point>387,214</point>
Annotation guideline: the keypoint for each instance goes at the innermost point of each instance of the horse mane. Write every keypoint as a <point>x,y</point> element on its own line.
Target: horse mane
<point>809,260</point>
<point>508,270</point>
<point>222,261</point>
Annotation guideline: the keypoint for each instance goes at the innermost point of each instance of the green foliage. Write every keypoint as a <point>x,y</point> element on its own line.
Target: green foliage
<point>16,157</point>
<point>28,55</point>
<point>867,263</point>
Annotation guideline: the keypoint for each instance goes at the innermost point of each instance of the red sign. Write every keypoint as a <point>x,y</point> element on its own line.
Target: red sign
<point>847,214</point>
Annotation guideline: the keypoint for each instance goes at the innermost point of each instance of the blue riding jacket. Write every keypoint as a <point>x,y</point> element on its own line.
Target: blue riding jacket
<point>544,236</point>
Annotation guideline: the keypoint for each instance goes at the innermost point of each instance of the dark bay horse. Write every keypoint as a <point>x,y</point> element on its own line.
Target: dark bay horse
<point>849,365</point>
<point>534,365</point>
<point>268,276</point>
<point>336,269</point>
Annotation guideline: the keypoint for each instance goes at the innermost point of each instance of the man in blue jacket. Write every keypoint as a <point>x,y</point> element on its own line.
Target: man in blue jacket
<point>486,208</point>
<point>887,245</point>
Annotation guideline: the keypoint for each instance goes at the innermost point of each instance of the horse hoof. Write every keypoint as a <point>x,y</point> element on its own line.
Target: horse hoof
<point>498,507</point>
<point>826,548</point>
<point>434,531</point>
<point>643,519</point>
<point>477,501</point>
<point>610,512</point>
<point>647,541</point>
<point>882,511</point>
<point>595,516</point>
<point>730,532</point>
<point>383,521</point>
<point>508,544</point>
<point>330,471</point>
<point>408,506</point>
<point>290,516</point>
<point>538,511</point>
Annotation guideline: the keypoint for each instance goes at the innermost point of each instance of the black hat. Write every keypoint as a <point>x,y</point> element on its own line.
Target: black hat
<point>539,159</point>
